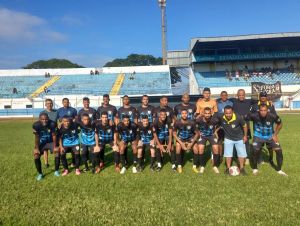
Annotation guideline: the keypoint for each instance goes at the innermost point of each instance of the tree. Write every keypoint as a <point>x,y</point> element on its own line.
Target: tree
<point>135,60</point>
<point>52,63</point>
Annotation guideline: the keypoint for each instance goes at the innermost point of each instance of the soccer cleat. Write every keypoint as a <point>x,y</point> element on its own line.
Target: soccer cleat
<point>174,169</point>
<point>101,165</point>
<point>201,171</point>
<point>243,172</point>
<point>216,170</point>
<point>255,172</point>
<point>57,173</point>
<point>280,172</point>
<point>72,165</point>
<point>152,168</point>
<point>179,169</point>
<point>195,169</point>
<point>138,169</point>
<point>77,172</point>
<point>158,169</point>
<point>93,170</point>
<point>134,169</point>
<point>39,177</point>
<point>97,170</point>
<point>65,172</point>
<point>86,169</point>
<point>123,170</point>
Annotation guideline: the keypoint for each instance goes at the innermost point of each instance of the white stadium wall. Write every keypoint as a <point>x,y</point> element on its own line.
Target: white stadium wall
<point>39,72</point>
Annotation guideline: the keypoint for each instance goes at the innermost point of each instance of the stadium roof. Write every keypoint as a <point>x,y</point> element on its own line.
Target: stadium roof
<point>207,41</point>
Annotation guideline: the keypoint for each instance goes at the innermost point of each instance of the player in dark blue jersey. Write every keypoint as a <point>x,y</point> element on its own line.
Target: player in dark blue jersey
<point>69,142</point>
<point>185,134</point>
<point>185,105</point>
<point>146,141</point>
<point>110,109</point>
<point>105,135</point>
<point>91,112</point>
<point>264,133</point>
<point>208,126</point>
<point>127,131</point>
<point>66,110</point>
<point>146,109</point>
<point>163,136</point>
<point>87,137</point>
<point>45,139</point>
<point>127,110</point>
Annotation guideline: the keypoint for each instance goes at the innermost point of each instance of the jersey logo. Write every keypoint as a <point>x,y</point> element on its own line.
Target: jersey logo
<point>254,144</point>
<point>149,131</point>
<point>211,126</point>
<point>167,126</point>
<point>190,110</point>
<point>168,113</point>
<point>73,131</point>
<point>108,131</point>
<point>69,113</point>
<point>109,112</point>
<point>77,148</point>
<point>130,112</point>
<point>233,126</point>
<point>48,130</point>
<point>149,112</point>
<point>90,115</point>
<point>268,123</point>
<point>188,127</point>
<point>130,131</point>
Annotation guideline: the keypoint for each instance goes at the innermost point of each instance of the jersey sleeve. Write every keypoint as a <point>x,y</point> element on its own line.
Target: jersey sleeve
<point>35,128</point>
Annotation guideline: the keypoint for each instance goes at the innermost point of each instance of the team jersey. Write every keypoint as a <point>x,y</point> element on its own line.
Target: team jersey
<point>233,129</point>
<point>190,108</point>
<point>69,136</point>
<point>149,111</point>
<point>169,111</point>
<point>91,113</point>
<point>127,133</point>
<point>53,116</point>
<point>87,134</point>
<point>131,112</point>
<point>222,104</point>
<point>110,109</point>
<point>44,132</point>
<point>105,132</point>
<point>145,133</point>
<point>185,130</point>
<point>263,128</point>
<point>207,128</point>
<point>162,129</point>
<point>69,112</point>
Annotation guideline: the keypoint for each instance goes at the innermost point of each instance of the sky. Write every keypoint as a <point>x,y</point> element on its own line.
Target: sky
<point>93,32</point>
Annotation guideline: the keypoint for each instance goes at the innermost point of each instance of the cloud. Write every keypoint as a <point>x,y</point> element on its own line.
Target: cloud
<point>71,20</point>
<point>20,26</point>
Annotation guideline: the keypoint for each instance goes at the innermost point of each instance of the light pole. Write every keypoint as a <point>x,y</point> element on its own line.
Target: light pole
<point>162,5</point>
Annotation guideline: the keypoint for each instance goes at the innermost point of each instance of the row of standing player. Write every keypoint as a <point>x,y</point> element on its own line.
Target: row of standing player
<point>185,133</point>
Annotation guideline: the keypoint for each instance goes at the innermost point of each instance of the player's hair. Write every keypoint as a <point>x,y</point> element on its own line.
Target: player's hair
<point>144,116</point>
<point>228,107</point>
<point>207,109</point>
<point>49,100</point>
<point>65,117</point>
<point>126,116</point>
<point>125,96</point>
<point>184,110</point>
<point>162,97</point>
<point>241,90</point>
<point>223,92</point>
<point>106,95</point>
<point>163,110</point>
<point>65,98</point>
<point>263,106</point>
<point>144,96</point>
<point>86,99</point>
<point>104,113</point>
<point>43,114</point>
<point>85,115</point>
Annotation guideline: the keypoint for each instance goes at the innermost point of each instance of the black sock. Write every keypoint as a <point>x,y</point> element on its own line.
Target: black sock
<point>38,165</point>
<point>202,160</point>
<point>158,156</point>
<point>122,157</point>
<point>102,155</point>
<point>173,157</point>
<point>195,159</point>
<point>56,163</point>
<point>256,156</point>
<point>64,161</point>
<point>77,161</point>
<point>216,160</point>
<point>139,161</point>
<point>134,158</point>
<point>73,158</point>
<point>126,155</point>
<point>96,160</point>
<point>179,159</point>
<point>152,161</point>
<point>117,158</point>
<point>85,159</point>
<point>279,159</point>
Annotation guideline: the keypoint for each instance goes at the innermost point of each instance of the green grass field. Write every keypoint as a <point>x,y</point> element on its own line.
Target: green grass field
<point>148,198</point>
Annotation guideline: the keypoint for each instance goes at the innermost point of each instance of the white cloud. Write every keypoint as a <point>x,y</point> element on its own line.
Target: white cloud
<point>20,26</point>
<point>71,20</point>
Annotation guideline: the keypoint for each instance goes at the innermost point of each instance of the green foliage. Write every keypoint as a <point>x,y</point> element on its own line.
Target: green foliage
<point>148,198</point>
<point>52,63</point>
<point>135,60</point>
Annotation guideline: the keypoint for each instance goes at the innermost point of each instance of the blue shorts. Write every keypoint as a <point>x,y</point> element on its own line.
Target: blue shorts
<point>239,146</point>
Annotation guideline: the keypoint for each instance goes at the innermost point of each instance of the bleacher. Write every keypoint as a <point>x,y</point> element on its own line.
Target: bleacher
<point>146,83</point>
<point>219,79</point>
<point>83,84</point>
<point>25,85</point>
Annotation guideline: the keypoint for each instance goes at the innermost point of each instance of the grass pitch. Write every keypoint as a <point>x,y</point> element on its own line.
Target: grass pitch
<point>148,198</point>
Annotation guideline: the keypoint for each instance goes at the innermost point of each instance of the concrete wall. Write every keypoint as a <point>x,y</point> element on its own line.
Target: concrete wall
<point>138,69</point>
